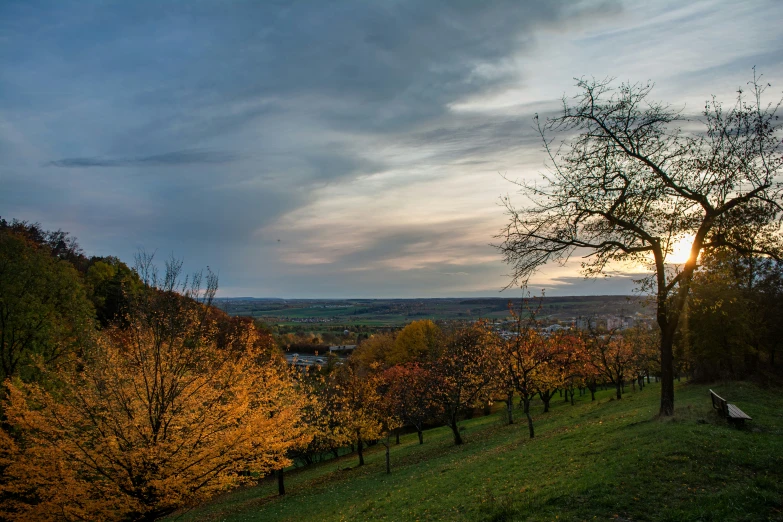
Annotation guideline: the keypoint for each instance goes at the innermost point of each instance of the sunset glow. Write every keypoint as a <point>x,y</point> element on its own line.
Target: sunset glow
<point>681,250</point>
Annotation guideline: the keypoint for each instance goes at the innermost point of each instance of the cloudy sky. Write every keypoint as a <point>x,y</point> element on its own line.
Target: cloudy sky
<point>329,149</point>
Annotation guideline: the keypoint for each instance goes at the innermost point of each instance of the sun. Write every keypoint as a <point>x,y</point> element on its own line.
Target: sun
<point>681,250</point>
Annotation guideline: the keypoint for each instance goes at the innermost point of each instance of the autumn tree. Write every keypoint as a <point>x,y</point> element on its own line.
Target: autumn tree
<point>631,178</point>
<point>408,395</point>
<point>502,386</point>
<point>611,356</point>
<point>373,351</point>
<point>323,415</point>
<point>388,414</point>
<point>359,410</point>
<point>235,333</point>
<point>569,363</point>
<point>464,369</point>
<point>155,417</point>
<point>321,419</point>
<point>535,363</point>
<point>644,345</point>
<point>414,343</point>
<point>527,355</point>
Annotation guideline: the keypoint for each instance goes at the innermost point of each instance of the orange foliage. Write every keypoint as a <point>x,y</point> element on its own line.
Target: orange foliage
<point>359,409</point>
<point>408,395</point>
<point>150,422</point>
<point>466,367</point>
<point>612,356</point>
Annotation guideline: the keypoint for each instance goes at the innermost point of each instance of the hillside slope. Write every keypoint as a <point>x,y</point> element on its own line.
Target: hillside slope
<point>599,460</point>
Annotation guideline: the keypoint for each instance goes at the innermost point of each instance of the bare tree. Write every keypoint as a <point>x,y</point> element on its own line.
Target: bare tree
<point>628,178</point>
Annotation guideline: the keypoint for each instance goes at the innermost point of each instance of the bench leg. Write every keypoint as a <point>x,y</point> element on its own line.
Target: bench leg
<point>738,423</point>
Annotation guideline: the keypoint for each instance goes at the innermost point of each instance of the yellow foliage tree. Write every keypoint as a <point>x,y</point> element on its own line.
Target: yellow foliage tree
<point>373,351</point>
<point>157,417</point>
<point>415,343</point>
<point>359,407</point>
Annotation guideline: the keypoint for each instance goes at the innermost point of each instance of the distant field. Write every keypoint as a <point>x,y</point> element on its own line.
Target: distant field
<point>603,460</point>
<point>398,312</point>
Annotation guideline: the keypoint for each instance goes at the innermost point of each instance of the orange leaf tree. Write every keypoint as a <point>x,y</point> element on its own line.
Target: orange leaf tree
<point>408,395</point>
<point>528,356</point>
<point>466,367</point>
<point>611,356</point>
<point>156,417</point>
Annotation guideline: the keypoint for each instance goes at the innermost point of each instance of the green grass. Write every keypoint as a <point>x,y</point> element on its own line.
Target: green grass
<point>598,460</point>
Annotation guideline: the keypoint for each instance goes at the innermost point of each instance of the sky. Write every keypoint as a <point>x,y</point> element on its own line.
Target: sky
<point>312,149</point>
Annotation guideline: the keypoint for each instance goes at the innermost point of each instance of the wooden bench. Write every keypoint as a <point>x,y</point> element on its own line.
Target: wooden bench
<point>730,411</point>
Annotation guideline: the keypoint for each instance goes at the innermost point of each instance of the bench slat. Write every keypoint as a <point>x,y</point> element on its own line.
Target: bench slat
<point>736,413</point>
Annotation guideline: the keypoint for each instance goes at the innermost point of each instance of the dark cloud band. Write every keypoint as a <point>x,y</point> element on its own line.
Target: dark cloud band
<point>168,159</point>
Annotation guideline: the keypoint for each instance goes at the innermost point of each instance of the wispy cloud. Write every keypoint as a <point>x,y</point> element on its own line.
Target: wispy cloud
<point>168,159</point>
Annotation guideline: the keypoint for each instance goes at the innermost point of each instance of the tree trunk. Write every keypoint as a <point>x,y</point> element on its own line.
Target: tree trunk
<point>572,396</point>
<point>421,435</point>
<point>619,389</point>
<point>455,430</point>
<point>397,435</point>
<point>280,482</point>
<point>388,462</point>
<point>545,397</point>
<point>510,407</point>
<point>529,418</point>
<point>667,373</point>
<point>361,453</point>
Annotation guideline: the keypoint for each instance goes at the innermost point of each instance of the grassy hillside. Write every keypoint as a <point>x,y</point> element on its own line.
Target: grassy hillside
<point>598,460</point>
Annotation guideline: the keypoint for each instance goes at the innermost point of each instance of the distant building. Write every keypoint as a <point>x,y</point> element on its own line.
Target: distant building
<point>554,328</point>
<point>613,323</point>
<point>587,323</point>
